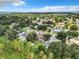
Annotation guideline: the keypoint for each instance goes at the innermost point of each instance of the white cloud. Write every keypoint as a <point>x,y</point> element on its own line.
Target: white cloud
<point>19,3</point>
<point>56,9</point>
<point>12,2</point>
<point>44,9</point>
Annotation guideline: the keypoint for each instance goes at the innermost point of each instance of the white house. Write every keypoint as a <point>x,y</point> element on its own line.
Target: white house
<point>22,36</point>
<point>40,36</point>
<point>52,39</point>
<point>77,22</point>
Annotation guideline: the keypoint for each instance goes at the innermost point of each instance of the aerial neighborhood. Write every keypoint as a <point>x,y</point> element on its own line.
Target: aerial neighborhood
<point>36,34</point>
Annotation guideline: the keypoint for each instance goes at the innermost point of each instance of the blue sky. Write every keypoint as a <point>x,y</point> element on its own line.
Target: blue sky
<point>39,5</point>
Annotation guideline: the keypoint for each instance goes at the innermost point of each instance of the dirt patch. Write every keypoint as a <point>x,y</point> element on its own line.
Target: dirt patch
<point>72,41</point>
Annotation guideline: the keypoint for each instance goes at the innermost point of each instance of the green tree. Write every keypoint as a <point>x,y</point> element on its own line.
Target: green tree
<point>42,27</point>
<point>73,27</point>
<point>11,34</point>
<point>32,37</point>
<point>62,36</point>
